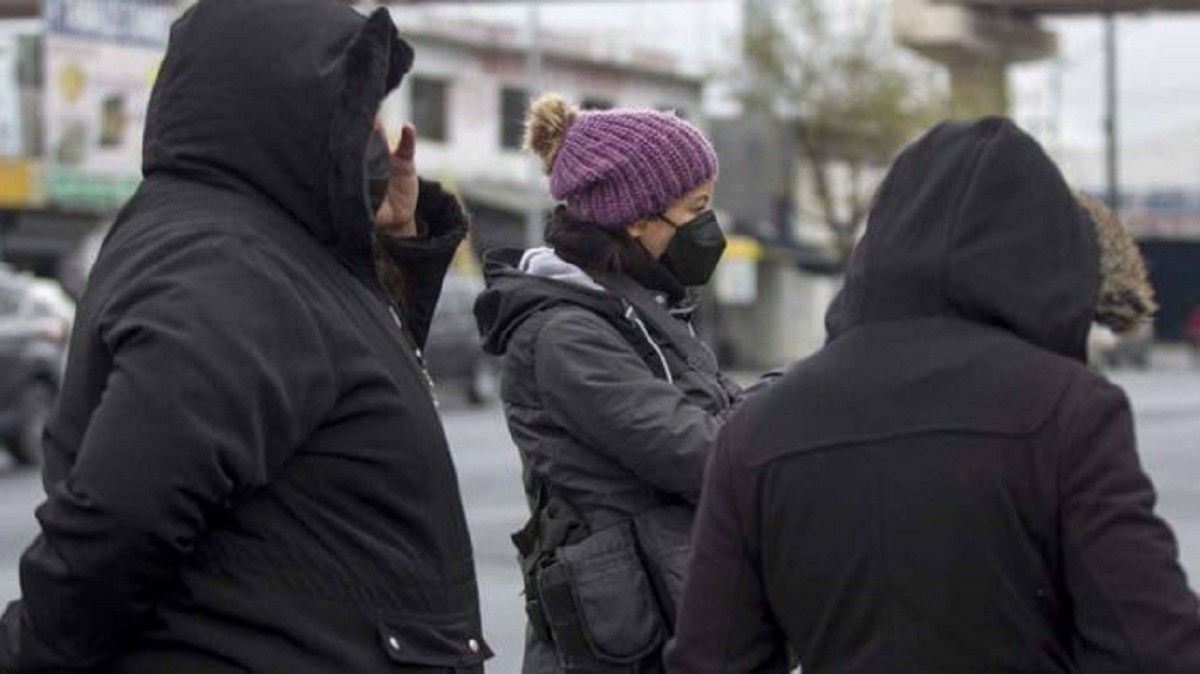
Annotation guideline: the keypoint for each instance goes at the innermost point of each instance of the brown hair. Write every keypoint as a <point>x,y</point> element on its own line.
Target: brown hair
<point>593,248</point>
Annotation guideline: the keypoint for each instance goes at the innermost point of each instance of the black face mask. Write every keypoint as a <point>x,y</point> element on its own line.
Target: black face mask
<point>695,250</point>
<point>376,170</point>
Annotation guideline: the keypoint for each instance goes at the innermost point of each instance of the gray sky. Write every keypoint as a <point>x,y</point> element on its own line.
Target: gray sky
<point>1159,65</point>
<point>1159,61</point>
<point>1159,73</point>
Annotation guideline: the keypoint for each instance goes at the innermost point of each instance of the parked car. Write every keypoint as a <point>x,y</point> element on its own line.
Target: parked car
<point>1191,333</point>
<point>77,265</point>
<point>453,352</point>
<point>35,324</point>
<point>1132,349</point>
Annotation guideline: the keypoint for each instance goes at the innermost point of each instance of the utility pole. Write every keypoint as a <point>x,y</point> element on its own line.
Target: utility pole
<point>1054,126</point>
<point>1110,119</point>
<point>533,76</point>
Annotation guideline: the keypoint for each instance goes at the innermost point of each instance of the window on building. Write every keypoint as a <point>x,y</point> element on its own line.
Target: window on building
<point>10,300</point>
<point>592,103</point>
<point>30,55</point>
<point>513,104</point>
<point>429,108</point>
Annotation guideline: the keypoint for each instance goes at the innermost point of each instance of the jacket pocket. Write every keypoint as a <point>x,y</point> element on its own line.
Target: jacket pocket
<point>450,642</point>
<point>614,597</point>
<point>664,535</point>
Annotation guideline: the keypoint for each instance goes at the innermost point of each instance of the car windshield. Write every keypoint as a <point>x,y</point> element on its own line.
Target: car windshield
<point>10,300</point>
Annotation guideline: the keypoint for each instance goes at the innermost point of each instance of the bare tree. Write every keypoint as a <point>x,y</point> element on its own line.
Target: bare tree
<point>851,98</point>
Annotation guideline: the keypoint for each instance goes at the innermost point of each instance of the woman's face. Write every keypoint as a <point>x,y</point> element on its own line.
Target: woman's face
<point>656,233</point>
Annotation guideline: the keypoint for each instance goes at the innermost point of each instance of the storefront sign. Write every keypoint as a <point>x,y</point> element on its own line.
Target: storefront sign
<point>101,59</point>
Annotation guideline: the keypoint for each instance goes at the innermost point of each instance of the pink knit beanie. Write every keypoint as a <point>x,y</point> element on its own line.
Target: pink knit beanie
<point>613,167</point>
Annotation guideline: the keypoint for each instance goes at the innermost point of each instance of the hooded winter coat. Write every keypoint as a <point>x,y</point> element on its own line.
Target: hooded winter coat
<point>945,487</point>
<point>615,406</point>
<point>246,471</point>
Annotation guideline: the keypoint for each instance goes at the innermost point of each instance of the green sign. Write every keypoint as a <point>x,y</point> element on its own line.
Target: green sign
<point>91,190</point>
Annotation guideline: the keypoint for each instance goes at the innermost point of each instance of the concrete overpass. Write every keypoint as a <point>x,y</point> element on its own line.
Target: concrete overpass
<point>978,39</point>
<point>20,9</point>
<point>1038,7</point>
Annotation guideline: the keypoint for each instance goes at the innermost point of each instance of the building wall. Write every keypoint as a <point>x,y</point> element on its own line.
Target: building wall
<point>757,185</point>
<point>784,324</point>
<point>472,154</point>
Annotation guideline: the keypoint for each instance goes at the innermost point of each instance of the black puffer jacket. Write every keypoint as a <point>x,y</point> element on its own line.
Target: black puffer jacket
<point>246,471</point>
<point>945,487</point>
<point>617,416</point>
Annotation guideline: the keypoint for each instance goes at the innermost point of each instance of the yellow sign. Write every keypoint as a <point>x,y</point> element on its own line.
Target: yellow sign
<point>743,248</point>
<point>20,183</point>
<point>72,80</point>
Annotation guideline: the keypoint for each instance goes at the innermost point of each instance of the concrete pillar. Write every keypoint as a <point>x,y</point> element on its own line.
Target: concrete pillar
<point>975,45</point>
<point>978,87</point>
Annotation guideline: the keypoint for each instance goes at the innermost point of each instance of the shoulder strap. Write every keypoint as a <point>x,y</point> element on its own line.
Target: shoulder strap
<point>672,332</point>
<point>664,363</point>
<point>643,342</point>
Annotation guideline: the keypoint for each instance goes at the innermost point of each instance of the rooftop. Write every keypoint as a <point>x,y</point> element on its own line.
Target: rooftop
<point>1078,6</point>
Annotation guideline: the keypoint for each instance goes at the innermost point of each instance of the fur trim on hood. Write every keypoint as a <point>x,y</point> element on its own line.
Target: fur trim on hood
<point>1126,297</point>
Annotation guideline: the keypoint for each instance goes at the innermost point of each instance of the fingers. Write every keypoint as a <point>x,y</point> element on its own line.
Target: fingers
<point>406,149</point>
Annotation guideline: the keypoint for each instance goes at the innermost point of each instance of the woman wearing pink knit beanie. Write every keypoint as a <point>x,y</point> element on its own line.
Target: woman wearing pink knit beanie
<point>612,401</point>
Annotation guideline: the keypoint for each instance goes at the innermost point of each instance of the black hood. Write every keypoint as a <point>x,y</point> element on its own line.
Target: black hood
<point>975,221</point>
<point>275,99</point>
<point>513,296</point>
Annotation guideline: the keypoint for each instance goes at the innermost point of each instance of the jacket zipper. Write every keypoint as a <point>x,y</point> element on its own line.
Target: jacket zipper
<point>420,358</point>
<point>632,317</point>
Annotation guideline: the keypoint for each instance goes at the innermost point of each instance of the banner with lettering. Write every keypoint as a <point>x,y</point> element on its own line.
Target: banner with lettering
<point>101,59</point>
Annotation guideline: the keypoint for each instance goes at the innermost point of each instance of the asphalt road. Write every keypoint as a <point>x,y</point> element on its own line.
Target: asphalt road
<point>1166,401</point>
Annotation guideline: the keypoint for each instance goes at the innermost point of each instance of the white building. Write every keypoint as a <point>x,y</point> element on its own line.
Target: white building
<point>468,94</point>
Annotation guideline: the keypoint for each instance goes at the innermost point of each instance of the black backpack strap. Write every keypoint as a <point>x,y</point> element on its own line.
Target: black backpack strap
<point>663,362</point>
<point>552,523</point>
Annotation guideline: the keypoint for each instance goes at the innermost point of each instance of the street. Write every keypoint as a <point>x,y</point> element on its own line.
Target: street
<point>1167,403</point>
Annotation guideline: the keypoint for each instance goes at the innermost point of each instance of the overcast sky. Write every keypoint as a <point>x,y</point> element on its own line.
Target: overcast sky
<point>1159,72</point>
<point>1159,64</point>
<point>1159,60</point>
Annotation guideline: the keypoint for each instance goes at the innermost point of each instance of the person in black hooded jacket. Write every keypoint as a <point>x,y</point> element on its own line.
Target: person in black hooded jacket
<point>612,401</point>
<point>246,471</point>
<point>945,486</point>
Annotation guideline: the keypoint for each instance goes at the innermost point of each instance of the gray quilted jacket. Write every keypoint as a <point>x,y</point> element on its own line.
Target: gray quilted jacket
<point>616,406</point>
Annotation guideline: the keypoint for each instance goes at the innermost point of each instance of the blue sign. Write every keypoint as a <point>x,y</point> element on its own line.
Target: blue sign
<point>139,22</point>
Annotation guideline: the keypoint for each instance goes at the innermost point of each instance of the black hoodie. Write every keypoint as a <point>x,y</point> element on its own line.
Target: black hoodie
<point>246,471</point>
<point>945,487</point>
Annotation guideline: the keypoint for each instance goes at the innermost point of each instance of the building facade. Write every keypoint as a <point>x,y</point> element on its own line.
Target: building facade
<point>468,94</point>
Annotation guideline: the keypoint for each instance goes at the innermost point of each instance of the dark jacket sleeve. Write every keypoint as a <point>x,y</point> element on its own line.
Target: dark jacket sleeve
<point>594,383</point>
<point>216,373</point>
<point>1132,607</point>
<point>423,261</point>
<point>725,623</point>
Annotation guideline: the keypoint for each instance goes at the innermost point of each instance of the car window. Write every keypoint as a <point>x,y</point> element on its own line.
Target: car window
<point>10,300</point>
<point>41,309</point>
<point>456,303</point>
<point>456,300</point>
